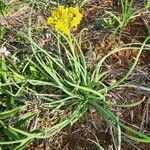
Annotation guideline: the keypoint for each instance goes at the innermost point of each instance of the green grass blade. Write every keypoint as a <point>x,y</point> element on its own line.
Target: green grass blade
<point>10,113</point>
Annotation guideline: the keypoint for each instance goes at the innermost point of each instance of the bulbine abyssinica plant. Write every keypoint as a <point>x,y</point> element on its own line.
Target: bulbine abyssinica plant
<point>63,81</point>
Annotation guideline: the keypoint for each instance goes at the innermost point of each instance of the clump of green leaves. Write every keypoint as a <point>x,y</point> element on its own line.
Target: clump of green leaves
<point>4,8</point>
<point>15,128</point>
<point>148,4</point>
<point>105,23</point>
<point>127,14</point>
<point>19,131</point>
<point>77,86</point>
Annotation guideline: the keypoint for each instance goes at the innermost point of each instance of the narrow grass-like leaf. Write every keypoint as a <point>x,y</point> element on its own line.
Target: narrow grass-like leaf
<point>25,119</point>
<point>24,143</point>
<point>10,113</point>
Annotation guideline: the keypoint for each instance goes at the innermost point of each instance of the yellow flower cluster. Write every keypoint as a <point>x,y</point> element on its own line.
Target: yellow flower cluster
<point>65,19</point>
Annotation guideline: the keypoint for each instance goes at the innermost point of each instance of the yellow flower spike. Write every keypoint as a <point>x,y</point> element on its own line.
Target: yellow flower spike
<point>65,19</point>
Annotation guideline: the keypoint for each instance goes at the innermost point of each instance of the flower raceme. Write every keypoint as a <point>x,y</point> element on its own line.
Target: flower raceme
<point>65,19</point>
